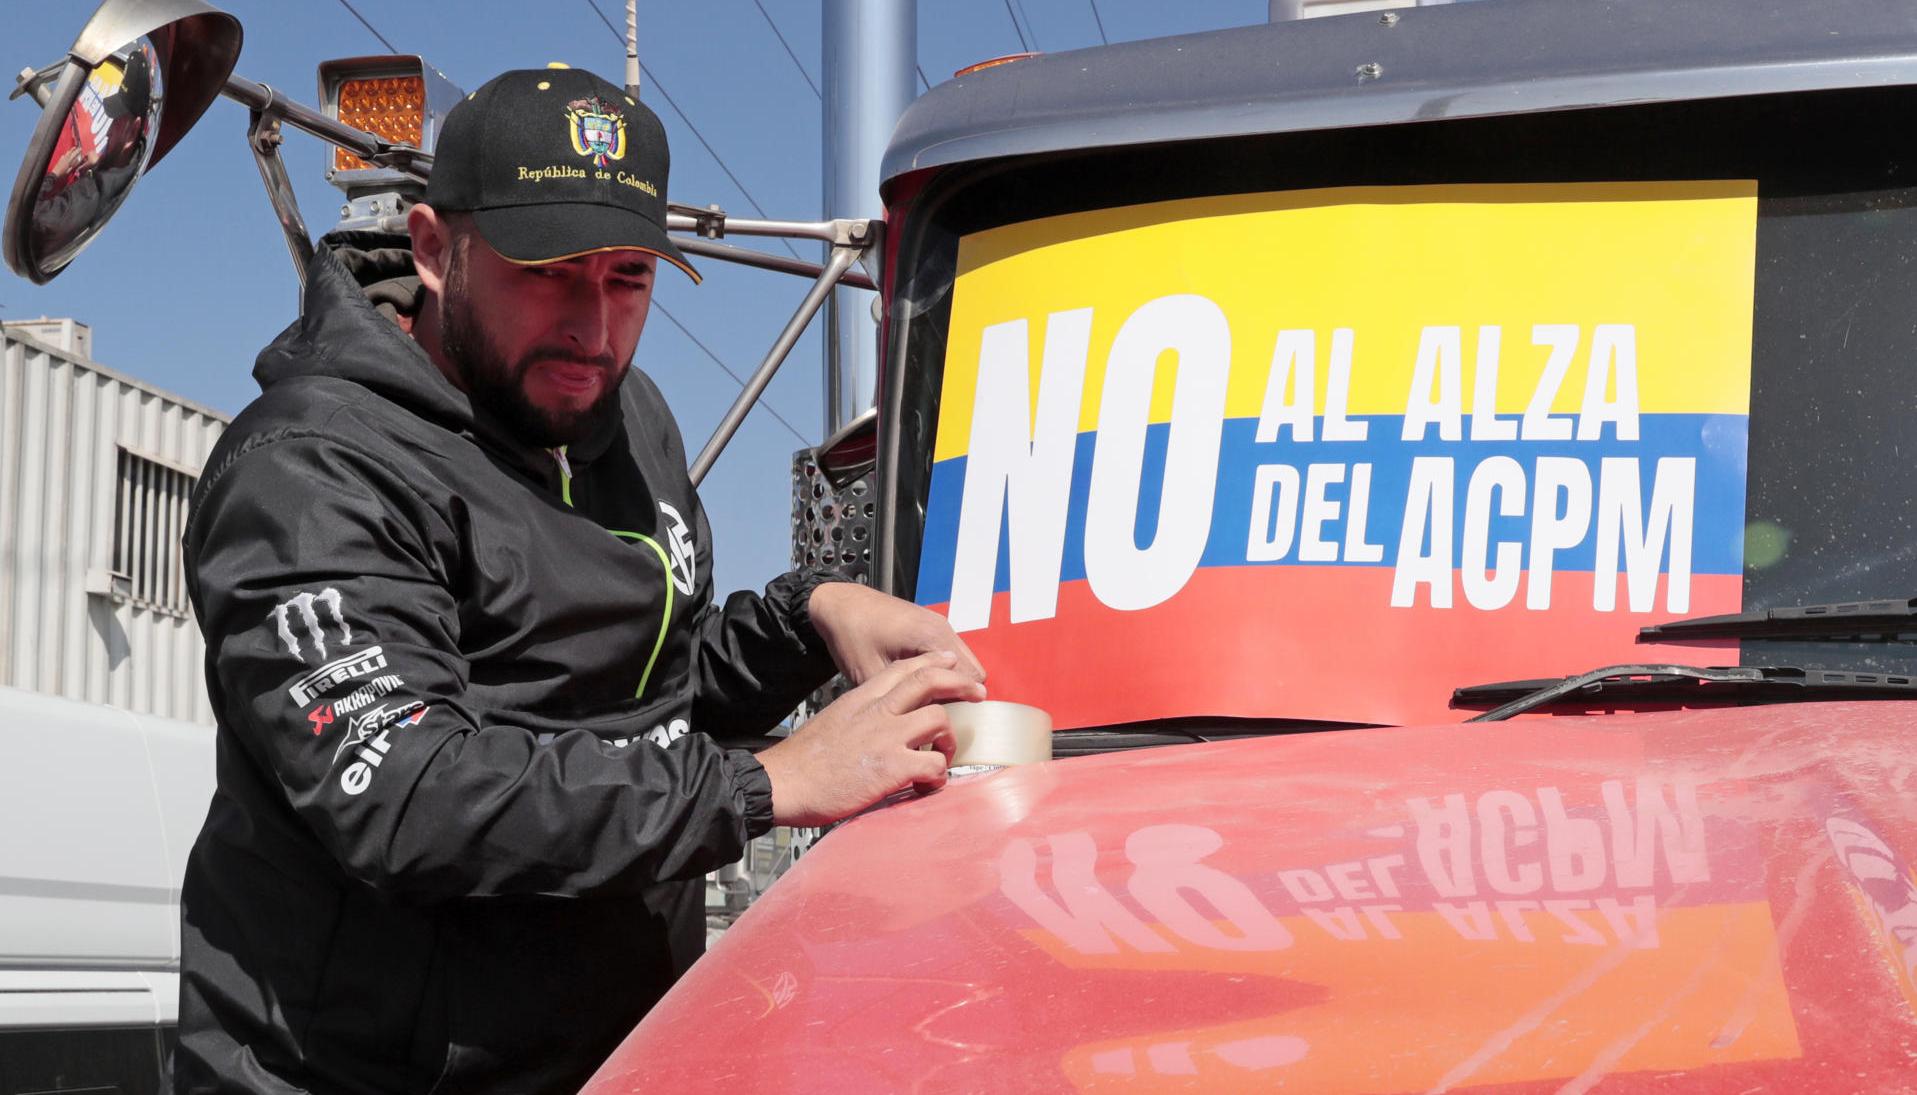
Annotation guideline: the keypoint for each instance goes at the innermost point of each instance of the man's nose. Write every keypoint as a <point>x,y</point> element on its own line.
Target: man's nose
<point>587,322</point>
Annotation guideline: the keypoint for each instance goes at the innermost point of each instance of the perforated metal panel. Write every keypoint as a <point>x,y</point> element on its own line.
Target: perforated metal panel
<point>832,527</point>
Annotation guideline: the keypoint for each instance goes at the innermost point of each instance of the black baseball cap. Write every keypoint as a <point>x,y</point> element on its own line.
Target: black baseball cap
<point>553,163</point>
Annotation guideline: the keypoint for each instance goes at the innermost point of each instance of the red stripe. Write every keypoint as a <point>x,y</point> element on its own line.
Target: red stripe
<point>1310,643</point>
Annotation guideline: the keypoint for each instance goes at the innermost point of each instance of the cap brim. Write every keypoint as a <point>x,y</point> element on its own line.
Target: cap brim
<point>535,234</point>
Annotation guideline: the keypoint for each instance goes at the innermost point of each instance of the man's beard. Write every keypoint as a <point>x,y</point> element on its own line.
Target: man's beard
<point>498,386</point>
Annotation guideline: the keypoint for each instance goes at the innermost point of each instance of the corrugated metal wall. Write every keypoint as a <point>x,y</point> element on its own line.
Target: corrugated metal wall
<point>63,424</point>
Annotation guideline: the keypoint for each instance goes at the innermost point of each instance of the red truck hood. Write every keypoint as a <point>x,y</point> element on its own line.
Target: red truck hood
<point>1714,900</point>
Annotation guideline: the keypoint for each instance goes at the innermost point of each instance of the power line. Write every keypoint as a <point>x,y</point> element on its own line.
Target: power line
<point>1016,29</point>
<point>390,48</point>
<point>1027,16</point>
<point>763,401</point>
<point>1100,22</point>
<point>714,153</point>
<point>927,84</point>
<point>788,49</point>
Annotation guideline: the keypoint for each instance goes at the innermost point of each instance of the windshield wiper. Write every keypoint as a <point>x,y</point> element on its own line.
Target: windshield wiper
<point>1883,621</point>
<point>1121,737</point>
<point>1678,682</point>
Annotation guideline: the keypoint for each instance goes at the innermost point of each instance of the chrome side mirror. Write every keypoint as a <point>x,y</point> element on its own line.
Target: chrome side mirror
<point>137,78</point>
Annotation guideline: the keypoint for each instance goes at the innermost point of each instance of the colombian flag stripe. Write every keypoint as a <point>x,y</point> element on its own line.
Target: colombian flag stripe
<point>1678,259</point>
<point>1718,511</point>
<point>1252,641</point>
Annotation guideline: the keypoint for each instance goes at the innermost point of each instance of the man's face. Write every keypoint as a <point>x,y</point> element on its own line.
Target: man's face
<point>544,348</point>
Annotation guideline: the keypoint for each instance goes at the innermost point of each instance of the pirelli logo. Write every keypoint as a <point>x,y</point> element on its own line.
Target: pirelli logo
<point>327,677</point>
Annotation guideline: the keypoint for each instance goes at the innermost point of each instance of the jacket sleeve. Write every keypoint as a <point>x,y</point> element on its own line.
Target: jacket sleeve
<point>323,581</point>
<point>756,655</point>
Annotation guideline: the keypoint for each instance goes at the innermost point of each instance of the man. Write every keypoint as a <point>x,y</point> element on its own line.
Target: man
<point>456,590</point>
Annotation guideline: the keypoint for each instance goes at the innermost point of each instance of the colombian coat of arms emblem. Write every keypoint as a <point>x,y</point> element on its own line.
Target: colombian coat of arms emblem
<point>598,130</point>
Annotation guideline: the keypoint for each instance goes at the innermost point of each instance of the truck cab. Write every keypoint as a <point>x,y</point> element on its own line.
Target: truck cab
<point>1268,405</point>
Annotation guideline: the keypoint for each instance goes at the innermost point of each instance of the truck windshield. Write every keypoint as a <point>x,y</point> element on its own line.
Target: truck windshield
<point>1320,426</point>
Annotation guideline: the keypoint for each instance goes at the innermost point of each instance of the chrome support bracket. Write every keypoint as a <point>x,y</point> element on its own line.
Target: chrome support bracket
<point>263,136</point>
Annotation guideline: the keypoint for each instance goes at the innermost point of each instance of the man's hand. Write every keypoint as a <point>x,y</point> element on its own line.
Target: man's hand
<point>866,631</point>
<point>866,744</point>
<point>68,161</point>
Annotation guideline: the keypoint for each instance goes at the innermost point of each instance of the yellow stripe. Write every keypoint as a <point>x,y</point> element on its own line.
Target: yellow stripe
<point>1676,260</point>
<point>690,272</point>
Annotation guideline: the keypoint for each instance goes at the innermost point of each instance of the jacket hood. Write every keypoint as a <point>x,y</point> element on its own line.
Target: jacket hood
<point>357,287</point>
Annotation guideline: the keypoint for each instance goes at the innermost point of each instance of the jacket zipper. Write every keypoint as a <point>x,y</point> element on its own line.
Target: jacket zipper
<point>665,566</point>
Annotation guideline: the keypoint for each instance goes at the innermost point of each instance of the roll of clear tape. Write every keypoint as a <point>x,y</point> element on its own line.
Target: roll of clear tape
<point>995,733</point>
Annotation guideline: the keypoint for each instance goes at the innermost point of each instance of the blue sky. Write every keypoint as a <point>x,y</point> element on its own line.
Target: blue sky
<point>193,276</point>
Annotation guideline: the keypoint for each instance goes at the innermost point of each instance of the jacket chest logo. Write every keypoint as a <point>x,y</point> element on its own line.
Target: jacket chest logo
<point>679,549</point>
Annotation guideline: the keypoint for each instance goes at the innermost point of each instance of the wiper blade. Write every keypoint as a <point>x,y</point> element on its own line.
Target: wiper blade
<point>1666,682</point>
<point>1883,621</point>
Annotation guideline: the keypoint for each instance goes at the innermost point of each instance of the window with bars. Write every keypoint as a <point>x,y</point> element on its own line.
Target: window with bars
<point>149,519</point>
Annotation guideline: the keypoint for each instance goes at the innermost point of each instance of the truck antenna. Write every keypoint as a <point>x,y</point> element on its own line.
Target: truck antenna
<point>632,48</point>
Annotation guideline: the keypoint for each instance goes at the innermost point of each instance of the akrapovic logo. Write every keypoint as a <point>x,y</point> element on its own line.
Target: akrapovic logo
<point>335,673</point>
<point>367,693</point>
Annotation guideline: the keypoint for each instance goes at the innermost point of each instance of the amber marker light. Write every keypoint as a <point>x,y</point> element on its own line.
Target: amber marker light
<point>390,107</point>
<point>992,63</point>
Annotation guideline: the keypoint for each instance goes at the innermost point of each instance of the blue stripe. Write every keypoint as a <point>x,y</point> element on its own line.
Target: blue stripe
<point>1718,441</point>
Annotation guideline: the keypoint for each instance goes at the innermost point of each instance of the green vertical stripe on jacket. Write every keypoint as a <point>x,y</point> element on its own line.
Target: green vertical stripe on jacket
<point>665,565</point>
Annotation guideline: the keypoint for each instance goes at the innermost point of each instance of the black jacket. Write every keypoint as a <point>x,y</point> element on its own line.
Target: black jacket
<point>460,823</point>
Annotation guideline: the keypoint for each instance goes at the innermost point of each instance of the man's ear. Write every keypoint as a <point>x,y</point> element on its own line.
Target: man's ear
<point>432,247</point>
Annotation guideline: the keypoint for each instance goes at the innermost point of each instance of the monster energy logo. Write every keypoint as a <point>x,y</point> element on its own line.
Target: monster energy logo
<point>301,612</point>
